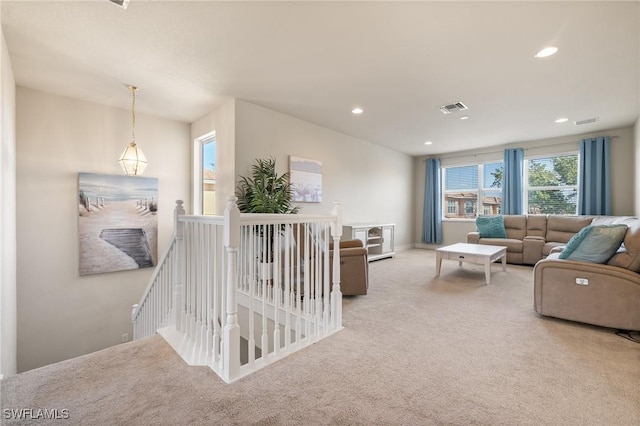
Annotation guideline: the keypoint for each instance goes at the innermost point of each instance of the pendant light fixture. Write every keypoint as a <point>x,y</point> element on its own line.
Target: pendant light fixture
<point>132,160</point>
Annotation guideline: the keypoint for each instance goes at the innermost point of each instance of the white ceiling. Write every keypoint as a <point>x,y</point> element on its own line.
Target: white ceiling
<point>317,60</point>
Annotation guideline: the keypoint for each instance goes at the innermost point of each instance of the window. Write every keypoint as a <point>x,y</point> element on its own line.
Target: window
<point>463,186</point>
<point>552,184</point>
<point>452,207</point>
<point>205,174</point>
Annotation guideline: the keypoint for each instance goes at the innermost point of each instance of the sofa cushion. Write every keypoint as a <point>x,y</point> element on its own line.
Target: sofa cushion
<point>491,226</point>
<point>512,245</point>
<point>628,256</point>
<point>595,244</point>
<point>561,228</point>
<point>537,225</point>
<point>516,226</point>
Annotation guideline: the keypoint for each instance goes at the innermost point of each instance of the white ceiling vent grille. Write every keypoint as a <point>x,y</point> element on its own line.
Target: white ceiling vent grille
<point>122,3</point>
<point>587,121</point>
<point>448,109</point>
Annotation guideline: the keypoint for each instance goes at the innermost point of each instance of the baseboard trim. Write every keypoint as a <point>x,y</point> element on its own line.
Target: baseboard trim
<point>404,247</point>
<point>427,246</point>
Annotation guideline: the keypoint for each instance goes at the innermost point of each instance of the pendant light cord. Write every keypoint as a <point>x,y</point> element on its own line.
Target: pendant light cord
<point>133,114</point>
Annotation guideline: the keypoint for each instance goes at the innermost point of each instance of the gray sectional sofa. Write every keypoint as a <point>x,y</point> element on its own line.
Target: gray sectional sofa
<point>607,294</point>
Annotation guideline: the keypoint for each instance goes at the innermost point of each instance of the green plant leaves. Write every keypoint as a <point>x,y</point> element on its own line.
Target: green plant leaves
<point>264,191</point>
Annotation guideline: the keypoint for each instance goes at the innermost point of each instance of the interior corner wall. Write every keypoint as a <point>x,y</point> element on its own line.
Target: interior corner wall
<point>622,159</point>
<point>222,121</point>
<point>373,184</point>
<point>8,315</point>
<point>61,314</point>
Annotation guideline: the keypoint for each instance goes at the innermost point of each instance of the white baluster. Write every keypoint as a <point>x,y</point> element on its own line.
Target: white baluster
<point>197,293</point>
<point>217,284</point>
<point>178,268</point>
<point>210,263</point>
<point>287,286</point>
<point>299,283</point>
<point>135,321</point>
<point>276,288</point>
<point>252,292</point>
<point>265,290</point>
<point>336,293</point>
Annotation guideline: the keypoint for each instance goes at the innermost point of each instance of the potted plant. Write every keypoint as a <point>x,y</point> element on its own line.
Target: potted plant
<point>265,192</point>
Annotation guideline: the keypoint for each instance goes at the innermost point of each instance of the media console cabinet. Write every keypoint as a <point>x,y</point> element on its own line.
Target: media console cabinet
<point>377,239</point>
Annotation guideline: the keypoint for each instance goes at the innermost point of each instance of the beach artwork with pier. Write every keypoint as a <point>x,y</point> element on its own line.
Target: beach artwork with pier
<point>117,222</point>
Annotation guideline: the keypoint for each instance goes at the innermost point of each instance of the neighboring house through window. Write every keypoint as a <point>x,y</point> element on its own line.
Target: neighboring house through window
<point>463,186</point>
<point>550,187</point>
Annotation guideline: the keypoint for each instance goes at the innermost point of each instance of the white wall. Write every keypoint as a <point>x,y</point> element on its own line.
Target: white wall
<point>222,121</point>
<point>372,183</point>
<point>8,316</point>
<point>624,201</point>
<point>61,314</point>
<point>636,169</point>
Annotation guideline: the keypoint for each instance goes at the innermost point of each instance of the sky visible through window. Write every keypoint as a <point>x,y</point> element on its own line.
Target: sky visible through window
<point>209,155</point>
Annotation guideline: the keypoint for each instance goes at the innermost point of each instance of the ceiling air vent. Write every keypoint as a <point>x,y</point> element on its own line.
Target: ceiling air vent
<point>587,121</point>
<point>122,3</point>
<point>448,109</point>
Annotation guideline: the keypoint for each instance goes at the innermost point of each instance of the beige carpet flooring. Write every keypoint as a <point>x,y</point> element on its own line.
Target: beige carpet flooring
<point>417,350</point>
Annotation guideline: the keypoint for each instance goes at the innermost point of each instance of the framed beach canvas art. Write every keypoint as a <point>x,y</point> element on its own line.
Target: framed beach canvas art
<point>117,222</point>
<point>306,180</point>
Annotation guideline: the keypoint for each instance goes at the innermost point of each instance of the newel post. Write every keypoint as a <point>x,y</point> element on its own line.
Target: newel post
<point>231,332</point>
<point>178,267</point>
<point>336,293</point>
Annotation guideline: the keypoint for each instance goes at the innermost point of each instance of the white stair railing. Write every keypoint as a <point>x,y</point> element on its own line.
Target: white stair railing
<point>260,282</point>
<point>156,303</point>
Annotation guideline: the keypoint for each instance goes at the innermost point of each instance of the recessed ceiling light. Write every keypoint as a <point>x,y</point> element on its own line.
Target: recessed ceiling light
<point>428,143</point>
<point>547,51</point>
<point>464,117</point>
<point>357,110</point>
<point>561,120</point>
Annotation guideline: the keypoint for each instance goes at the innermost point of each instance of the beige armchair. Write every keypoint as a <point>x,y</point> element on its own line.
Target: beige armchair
<point>354,268</point>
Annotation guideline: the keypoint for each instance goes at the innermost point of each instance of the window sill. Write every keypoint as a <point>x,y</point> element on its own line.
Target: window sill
<point>451,219</point>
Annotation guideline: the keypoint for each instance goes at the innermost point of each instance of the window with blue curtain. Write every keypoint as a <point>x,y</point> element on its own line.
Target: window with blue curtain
<point>471,190</point>
<point>432,220</point>
<point>512,181</point>
<point>594,184</point>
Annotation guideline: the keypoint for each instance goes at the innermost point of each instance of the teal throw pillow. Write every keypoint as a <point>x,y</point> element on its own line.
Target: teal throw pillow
<point>595,244</point>
<point>491,226</point>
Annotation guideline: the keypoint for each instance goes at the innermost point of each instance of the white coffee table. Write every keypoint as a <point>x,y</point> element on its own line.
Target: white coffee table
<point>474,253</point>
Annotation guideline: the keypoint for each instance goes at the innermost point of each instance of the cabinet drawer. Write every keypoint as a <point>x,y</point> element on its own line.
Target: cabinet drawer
<point>460,256</point>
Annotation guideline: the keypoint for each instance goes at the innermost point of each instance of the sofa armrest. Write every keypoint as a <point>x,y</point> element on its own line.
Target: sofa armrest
<point>352,251</point>
<point>557,249</point>
<point>354,271</point>
<point>473,237</point>
<point>347,244</point>
<point>604,295</point>
<point>532,250</point>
